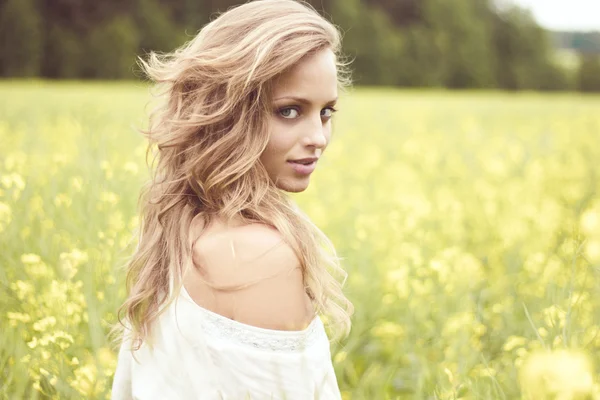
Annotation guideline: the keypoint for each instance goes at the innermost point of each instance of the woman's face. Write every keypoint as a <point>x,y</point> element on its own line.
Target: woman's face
<point>300,121</point>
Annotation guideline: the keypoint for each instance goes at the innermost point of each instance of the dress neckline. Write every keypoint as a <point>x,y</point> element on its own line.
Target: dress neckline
<point>222,320</point>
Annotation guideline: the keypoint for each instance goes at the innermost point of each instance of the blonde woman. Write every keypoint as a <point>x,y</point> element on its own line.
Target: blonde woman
<point>229,279</point>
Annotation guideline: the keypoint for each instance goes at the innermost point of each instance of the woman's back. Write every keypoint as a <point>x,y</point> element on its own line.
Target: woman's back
<point>246,272</point>
<point>252,338</point>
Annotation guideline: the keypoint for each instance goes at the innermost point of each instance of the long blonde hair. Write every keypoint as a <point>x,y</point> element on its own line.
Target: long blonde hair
<point>208,136</point>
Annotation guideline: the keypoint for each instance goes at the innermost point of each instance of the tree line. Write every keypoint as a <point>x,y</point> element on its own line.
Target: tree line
<point>456,44</point>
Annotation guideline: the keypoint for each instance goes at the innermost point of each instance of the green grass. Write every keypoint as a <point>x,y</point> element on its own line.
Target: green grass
<point>469,224</point>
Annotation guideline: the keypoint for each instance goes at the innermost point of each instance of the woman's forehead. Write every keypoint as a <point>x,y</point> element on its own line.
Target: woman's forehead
<point>313,78</point>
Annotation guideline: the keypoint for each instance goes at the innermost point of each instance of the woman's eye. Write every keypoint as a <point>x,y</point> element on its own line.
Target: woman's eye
<point>288,113</point>
<point>328,112</point>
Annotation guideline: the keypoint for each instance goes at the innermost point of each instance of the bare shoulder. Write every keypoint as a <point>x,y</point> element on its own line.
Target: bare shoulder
<point>256,277</point>
<point>235,255</point>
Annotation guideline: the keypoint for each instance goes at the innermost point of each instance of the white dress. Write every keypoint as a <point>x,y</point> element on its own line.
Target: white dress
<point>199,354</point>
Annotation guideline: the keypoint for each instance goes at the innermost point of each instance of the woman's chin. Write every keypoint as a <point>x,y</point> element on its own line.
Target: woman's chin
<point>293,185</point>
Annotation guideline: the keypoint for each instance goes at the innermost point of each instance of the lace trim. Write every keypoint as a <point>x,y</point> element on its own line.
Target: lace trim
<point>225,328</point>
<point>220,327</point>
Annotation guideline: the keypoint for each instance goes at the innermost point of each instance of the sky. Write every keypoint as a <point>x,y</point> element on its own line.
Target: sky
<point>582,15</point>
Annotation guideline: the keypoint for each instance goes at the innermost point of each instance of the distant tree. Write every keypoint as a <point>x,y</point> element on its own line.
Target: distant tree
<point>64,53</point>
<point>461,30</point>
<point>81,15</point>
<point>589,73</point>
<point>371,40</point>
<point>420,62</point>
<point>21,43</point>
<point>431,43</point>
<point>157,30</point>
<point>189,15</point>
<point>523,51</point>
<point>552,77</point>
<point>215,7</point>
<point>194,14</point>
<point>401,12</point>
<point>117,37</point>
<point>322,6</point>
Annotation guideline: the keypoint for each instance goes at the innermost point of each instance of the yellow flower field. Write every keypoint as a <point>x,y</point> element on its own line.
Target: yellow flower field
<point>469,224</point>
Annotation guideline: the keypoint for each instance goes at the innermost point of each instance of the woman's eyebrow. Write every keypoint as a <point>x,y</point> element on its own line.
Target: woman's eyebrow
<point>303,100</point>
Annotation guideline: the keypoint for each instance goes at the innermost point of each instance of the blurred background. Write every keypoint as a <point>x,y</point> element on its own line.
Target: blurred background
<point>468,220</point>
<point>409,43</point>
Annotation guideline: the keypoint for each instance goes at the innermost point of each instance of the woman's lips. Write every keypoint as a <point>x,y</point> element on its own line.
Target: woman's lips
<point>303,168</point>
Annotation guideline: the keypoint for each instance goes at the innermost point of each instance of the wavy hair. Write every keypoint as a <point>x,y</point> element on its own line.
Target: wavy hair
<point>207,135</point>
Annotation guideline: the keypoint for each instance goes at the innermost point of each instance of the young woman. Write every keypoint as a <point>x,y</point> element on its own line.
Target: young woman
<point>229,279</point>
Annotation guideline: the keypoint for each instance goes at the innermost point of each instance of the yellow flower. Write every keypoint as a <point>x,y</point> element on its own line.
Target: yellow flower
<point>105,166</point>
<point>450,375</point>
<point>134,222</point>
<point>560,374</point>
<point>387,329</point>
<point>33,343</point>
<point>59,159</point>
<point>590,222</point>
<point>6,181</point>
<point>47,224</point>
<point>340,357</point>
<point>592,250</point>
<point>85,379</point>
<point>115,221</point>
<point>69,262</point>
<point>18,317</point>
<point>30,259</point>
<point>77,183</point>
<point>131,167</point>
<point>63,339</point>
<point>35,267</point>
<point>106,359</point>
<point>109,198</point>
<point>554,316</point>
<point>15,160</point>
<point>18,181</point>
<point>513,342</point>
<point>5,215</point>
<point>25,232</point>
<point>62,199</point>
<point>44,323</point>
<point>22,289</point>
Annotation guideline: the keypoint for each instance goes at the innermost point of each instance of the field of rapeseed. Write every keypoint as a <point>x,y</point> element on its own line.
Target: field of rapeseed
<point>469,224</point>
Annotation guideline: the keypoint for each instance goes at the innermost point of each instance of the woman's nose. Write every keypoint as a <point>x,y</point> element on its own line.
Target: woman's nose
<point>317,133</point>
